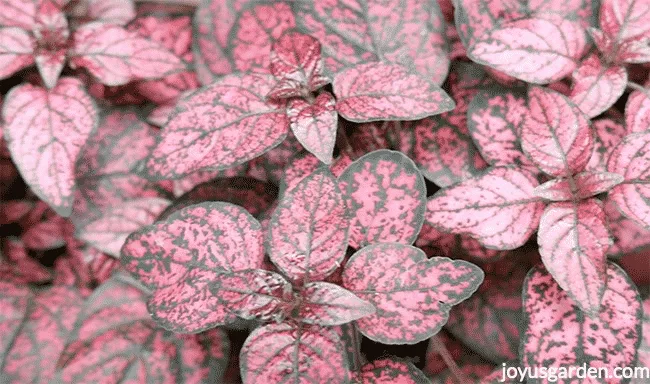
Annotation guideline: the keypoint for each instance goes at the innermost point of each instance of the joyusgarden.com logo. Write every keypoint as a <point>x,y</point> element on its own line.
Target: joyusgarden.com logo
<point>553,374</point>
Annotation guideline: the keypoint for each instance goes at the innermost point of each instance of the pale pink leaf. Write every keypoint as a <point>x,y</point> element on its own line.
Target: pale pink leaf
<point>328,304</point>
<point>497,208</point>
<point>573,240</point>
<point>556,135</point>
<point>16,50</point>
<point>625,19</point>
<point>219,126</point>
<point>380,91</point>
<point>596,87</point>
<point>578,187</point>
<point>637,112</point>
<point>607,134</point>
<point>19,13</point>
<point>314,124</point>
<point>113,11</point>
<point>51,33</point>
<point>45,131</point>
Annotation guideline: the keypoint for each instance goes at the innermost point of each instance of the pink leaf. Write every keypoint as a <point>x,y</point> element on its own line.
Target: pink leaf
<point>559,335</point>
<point>16,50</point>
<point>328,304</point>
<point>51,33</point>
<point>118,12</point>
<point>45,131</point>
<point>299,167</point>
<point>379,91</point>
<point>219,126</point>
<point>573,240</point>
<point>390,371</point>
<point>108,232</point>
<point>314,124</point>
<point>625,19</point>
<point>607,134</point>
<point>627,235</point>
<point>410,33</point>
<point>596,87</point>
<point>555,134</point>
<point>497,208</point>
<point>14,306</point>
<point>630,158</point>
<point>295,353</point>
<point>580,186</point>
<point>19,13</point>
<point>116,56</point>
<point>46,234</point>
<point>637,112</point>
<point>412,295</point>
<point>436,243</point>
<point>296,62</point>
<point>386,198</point>
<point>644,348</point>
<point>308,232</point>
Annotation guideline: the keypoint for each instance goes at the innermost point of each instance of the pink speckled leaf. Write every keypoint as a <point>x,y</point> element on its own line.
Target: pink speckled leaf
<point>390,371</point>
<point>644,347</point>
<point>497,208</point>
<point>637,112</point>
<point>410,33</point>
<point>16,50</point>
<point>436,243</point>
<point>308,232</point>
<point>625,28</point>
<point>596,87</point>
<point>14,304</point>
<point>580,186</point>
<point>380,91</point>
<point>495,119</point>
<point>558,334</point>
<point>237,35</point>
<point>108,232</point>
<point>180,256</point>
<point>51,33</point>
<point>16,265</point>
<point>19,13</point>
<point>607,134</point>
<point>627,235</point>
<point>573,240</point>
<point>386,198</point>
<point>412,295</point>
<point>114,341</point>
<point>296,62</point>
<point>293,353</point>
<point>314,124</point>
<point>328,304</point>
<point>219,126</point>
<point>45,131</point>
<point>118,12</point>
<point>299,167</point>
<point>556,135</point>
<point>631,159</point>
<point>116,56</point>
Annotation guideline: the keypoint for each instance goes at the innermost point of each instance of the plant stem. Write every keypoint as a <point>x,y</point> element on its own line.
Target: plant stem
<point>440,347</point>
<point>637,87</point>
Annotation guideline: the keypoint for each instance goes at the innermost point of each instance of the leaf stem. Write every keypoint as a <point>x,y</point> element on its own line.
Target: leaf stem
<point>440,347</point>
<point>637,87</point>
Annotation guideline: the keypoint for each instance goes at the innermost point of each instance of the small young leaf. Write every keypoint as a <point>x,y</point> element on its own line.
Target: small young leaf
<point>51,33</point>
<point>16,50</point>
<point>555,134</point>
<point>116,56</point>
<point>379,91</point>
<point>637,112</point>
<point>219,126</point>
<point>308,232</point>
<point>314,124</point>
<point>412,295</point>
<point>296,62</point>
<point>390,371</point>
<point>631,159</point>
<point>497,208</point>
<point>573,240</point>
<point>596,87</point>
<point>296,353</point>
<point>581,186</point>
<point>558,334</point>
<point>328,304</point>
<point>45,131</point>
<point>386,198</point>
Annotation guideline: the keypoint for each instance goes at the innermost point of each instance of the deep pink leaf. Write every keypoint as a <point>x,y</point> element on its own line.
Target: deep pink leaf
<point>224,124</point>
<point>118,12</point>
<point>299,167</point>
<point>436,243</point>
<point>555,134</point>
<point>237,35</point>
<point>628,236</point>
<point>296,62</point>
<point>19,13</point>
<point>296,353</point>
<point>410,33</point>
<point>328,304</point>
<point>116,56</point>
<point>607,134</point>
<point>45,131</point>
<point>596,86</point>
<point>308,231</point>
<point>631,159</point>
<point>558,334</point>
<point>180,256</point>
<point>314,124</point>
<point>580,186</point>
<point>108,232</point>
<point>573,240</point>
<point>497,208</point>
<point>386,198</point>
<point>495,118</point>
<point>379,91</point>
<point>16,49</point>
<point>412,295</point>
<point>390,371</point>
<point>13,210</point>
<point>637,112</point>
<point>46,234</point>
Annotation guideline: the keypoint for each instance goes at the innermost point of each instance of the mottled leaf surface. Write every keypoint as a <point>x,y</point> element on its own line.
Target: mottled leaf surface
<point>14,303</point>
<point>328,304</point>
<point>637,112</point>
<point>607,134</point>
<point>436,243</point>
<point>412,295</point>
<point>580,186</point>
<point>16,49</point>
<point>390,370</point>
<point>314,124</point>
<point>627,235</point>
<point>386,198</point>
<point>596,86</point>
<point>624,30</point>
<point>379,91</point>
